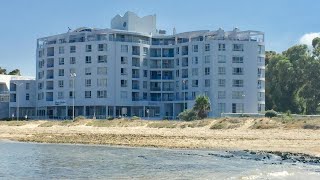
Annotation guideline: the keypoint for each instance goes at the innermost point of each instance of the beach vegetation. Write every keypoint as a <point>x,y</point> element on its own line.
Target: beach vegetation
<point>188,115</point>
<point>271,114</point>
<point>202,106</point>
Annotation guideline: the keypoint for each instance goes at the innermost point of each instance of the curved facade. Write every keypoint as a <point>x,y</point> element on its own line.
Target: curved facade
<point>123,72</point>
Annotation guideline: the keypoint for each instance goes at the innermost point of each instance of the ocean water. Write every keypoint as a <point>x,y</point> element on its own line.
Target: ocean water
<point>64,161</point>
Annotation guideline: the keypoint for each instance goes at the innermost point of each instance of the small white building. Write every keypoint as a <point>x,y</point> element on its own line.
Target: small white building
<point>134,69</point>
<point>17,96</point>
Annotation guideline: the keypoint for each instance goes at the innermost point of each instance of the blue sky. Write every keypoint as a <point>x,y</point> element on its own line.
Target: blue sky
<point>22,22</point>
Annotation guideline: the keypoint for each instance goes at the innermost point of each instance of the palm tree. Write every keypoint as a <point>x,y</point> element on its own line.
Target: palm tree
<point>202,106</point>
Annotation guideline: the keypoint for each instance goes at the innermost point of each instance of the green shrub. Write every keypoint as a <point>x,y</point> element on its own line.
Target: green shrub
<point>188,115</point>
<point>271,114</point>
<point>110,118</point>
<point>78,118</point>
<point>135,118</point>
<point>165,118</point>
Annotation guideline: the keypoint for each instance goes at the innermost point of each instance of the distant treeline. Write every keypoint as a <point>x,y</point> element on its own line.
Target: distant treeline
<point>293,79</point>
<point>13,72</point>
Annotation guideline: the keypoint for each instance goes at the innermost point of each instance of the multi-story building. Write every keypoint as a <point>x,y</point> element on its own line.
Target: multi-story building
<point>136,70</point>
<point>17,96</point>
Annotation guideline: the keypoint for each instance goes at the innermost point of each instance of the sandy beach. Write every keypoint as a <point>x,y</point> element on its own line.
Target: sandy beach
<point>223,134</point>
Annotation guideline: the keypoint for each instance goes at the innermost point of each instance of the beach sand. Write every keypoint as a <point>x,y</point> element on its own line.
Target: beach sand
<point>238,135</point>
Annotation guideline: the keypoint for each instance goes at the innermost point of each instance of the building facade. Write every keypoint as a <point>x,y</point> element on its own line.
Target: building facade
<point>17,96</point>
<point>132,69</point>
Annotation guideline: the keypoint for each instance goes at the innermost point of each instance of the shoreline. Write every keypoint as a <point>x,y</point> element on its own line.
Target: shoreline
<point>258,155</point>
<point>148,134</point>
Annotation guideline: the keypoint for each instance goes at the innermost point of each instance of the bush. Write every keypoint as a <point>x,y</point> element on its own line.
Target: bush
<point>135,118</point>
<point>110,118</point>
<point>165,118</point>
<point>271,114</point>
<point>188,115</point>
<point>78,118</point>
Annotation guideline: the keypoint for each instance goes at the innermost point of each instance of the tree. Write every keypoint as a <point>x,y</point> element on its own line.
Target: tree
<point>202,106</point>
<point>3,71</point>
<point>316,47</point>
<point>188,115</point>
<point>15,72</point>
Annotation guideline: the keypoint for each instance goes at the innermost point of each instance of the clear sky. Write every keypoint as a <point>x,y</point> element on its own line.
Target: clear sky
<point>23,21</point>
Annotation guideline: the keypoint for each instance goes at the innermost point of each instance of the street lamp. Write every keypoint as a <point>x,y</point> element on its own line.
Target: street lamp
<point>73,75</point>
<point>17,96</point>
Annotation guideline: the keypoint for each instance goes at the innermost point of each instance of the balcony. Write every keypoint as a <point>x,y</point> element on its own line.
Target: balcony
<point>167,52</point>
<point>155,52</point>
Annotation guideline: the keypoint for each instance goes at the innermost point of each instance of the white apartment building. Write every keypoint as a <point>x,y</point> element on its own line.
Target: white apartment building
<point>17,91</point>
<point>135,70</point>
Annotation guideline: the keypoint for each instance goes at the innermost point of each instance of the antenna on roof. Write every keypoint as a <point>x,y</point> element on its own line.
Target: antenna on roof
<point>69,29</point>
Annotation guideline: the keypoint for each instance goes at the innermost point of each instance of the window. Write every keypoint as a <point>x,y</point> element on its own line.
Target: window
<point>87,94</point>
<point>237,59</point>
<point>71,94</point>
<point>102,94</point>
<point>60,95</point>
<point>207,47</point>
<point>61,50</point>
<point>221,59</point>
<point>87,82</point>
<point>145,73</point>
<point>123,71</point>
<point>221,70</point>
<point>207,59</point>
<point>61,61</point>
<point>207,71</point>
<point>177,62</point>
<point>237,83</point>
<point>195,48</point>
<point>88,48</point>
<point>72,49</point>
<point>124,94</point>
<point>261,96</point>
<point>124,83</point>
<point>207,82</point>
<point>177,73</point>
<point>145,96</point>
<point>177,50</point>
<point>185,73</point>
<point>102,70</point>
<point>60,83</point>
<point>145,62</point>
<point>27,86</point>
<point>222,47</point>
<point>237,107</point>
<point>221,94</point>
<point>136,50</point>
<point>260,84</point>
<point>27,96</point>
<point>61,72</point>
<point>124,60</point>
<point>88,59</point>
<point>72,60</point>
<point>102,82</point>
<point>237,47</point>
<point>237,71</point>
<point>195,60</point>
<point>221,82</point>
<point>87,71</point>
<point>237,95</point>
<point>194,83</point>
<point>124,48</point>
<point>195,71</point>
<point>145,85</point>
<point>102,47</point>
<point>102,59</point>
<point>221,107</point>
<point>145,51</point>
<point>261,49</point>
<point>193,95</point>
